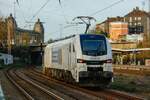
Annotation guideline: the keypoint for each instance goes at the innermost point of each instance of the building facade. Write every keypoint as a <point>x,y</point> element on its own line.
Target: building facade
<point>23,37</point>
<point>138,24</point>
<point>104,26</point>
<point>118,31</point>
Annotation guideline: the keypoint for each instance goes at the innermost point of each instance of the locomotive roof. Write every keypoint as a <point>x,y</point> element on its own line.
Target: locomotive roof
<point>73,36</point>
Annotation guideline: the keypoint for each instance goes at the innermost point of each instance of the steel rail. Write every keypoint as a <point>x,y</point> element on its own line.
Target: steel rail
<point>107,91</point>
<point>27,95</point>
<point>123,95</point>
<point>39,87</point>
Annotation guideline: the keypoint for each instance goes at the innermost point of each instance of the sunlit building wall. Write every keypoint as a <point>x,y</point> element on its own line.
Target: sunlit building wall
<point>118,30</point>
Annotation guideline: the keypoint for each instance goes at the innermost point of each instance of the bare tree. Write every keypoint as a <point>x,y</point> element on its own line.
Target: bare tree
<point>3,33</point>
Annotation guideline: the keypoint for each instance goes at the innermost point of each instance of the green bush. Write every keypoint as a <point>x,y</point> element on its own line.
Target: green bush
<point>124,87</point>
<point>1,63</point>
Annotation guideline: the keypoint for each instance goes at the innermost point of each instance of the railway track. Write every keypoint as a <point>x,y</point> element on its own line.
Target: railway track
<point>65,90</point>
<point>29,89</point>
<point>104,94</point>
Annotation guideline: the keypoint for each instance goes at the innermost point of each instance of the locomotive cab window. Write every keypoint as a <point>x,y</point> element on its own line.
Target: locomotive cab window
<point>93,45</point>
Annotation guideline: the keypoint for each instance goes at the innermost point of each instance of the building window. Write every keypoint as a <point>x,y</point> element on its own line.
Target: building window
<point>20,40</point>
<point>139,18</point>
<point>31,41</point>
<point>139,23</point>
<point>124,20</point>
<point>135,18</point>
<point>13,42</point>
<point>24,41</point>
<point>135,24</point>
<point>130,20</point>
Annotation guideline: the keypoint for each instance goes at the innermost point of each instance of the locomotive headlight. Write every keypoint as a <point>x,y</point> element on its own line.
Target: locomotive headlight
<point>81,64</point>
<point>109,61</point>
<point>80,61</point>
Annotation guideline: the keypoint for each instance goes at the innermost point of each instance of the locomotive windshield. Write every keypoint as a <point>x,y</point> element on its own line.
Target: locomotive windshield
<point>93,45</point>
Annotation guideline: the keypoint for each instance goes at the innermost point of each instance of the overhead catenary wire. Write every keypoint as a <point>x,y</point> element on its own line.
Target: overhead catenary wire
<point>64,27</point>
<point>109,6</point>
<point>39,10</point>
<point>60,2</point>
<point>63,13</point>
<point>65,18</point>
<point>17,2</point>
<point>113,4</point>
<point>22,13</point>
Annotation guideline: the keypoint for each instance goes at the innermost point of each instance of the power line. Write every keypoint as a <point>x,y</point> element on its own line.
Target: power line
<point>148,6</point>
<point>107,7</point>
<point>65,27</point>
<point>63,13</point>
<point>17,2</point>
<point>22,13</point>
<point>40,9</point>
<point>37,12</point>
<point>60,2</point>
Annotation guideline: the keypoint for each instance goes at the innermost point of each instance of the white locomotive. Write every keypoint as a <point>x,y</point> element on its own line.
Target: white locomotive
<point>85,59</point>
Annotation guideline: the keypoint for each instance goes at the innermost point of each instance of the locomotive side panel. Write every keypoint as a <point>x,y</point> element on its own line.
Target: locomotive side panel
<point>60,64</point>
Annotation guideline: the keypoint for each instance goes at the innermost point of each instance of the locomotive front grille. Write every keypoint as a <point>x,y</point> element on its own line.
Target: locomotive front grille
<point>94,68</point>
<point>95,62</point>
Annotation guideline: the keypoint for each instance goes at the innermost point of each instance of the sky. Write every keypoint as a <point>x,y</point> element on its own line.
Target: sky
<point>57,18</point>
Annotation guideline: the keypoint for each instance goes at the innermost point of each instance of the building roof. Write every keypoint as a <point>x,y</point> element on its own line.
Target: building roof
<point>26,30</point>
<point>137,12</point>
<point>112,19</point>
<point>12,19</point>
